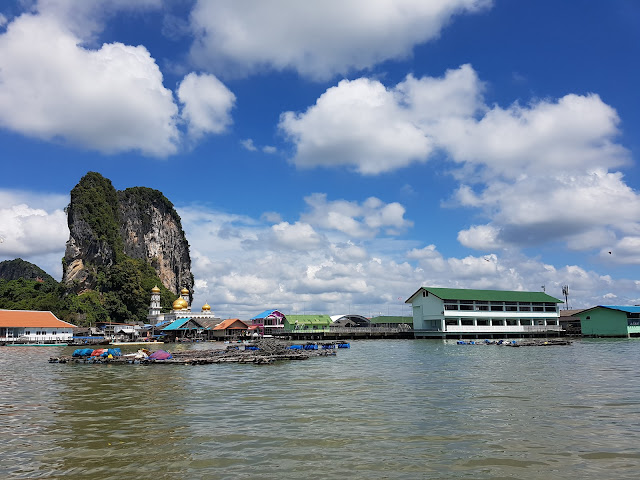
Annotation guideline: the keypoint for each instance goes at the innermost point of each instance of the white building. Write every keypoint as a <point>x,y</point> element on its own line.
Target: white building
<point>180,309</point>
<point>458,313</point>
<point>28,326</point>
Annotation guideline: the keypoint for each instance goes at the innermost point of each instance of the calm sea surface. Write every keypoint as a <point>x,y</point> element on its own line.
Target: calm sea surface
<point>397,409</point>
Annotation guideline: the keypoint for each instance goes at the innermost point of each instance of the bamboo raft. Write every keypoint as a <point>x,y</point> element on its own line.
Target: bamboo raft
<point>262,352</point>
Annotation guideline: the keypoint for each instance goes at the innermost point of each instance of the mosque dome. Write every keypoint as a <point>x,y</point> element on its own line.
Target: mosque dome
<point>206,307</point>
<point>184,291</point>
<point>180,304</point>
<point>155,289</point>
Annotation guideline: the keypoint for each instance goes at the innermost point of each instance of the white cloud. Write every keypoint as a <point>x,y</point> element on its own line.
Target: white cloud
<point>299,236</point>
<point>356,220</point>
<point>108,98</point>
<point>248,145</point>
<point>3,20</point>
<point>243,271</point>
<point>111,99</point>
<point>360,124</point>
<point>625,251</point>
<point>34,228</point>
<point>588,211</point>
<point>480,237</point>
<point>539,173</point>
<point>317,39</point>
<point>270,149</point>
<point>573,134</point>
<point>207,104</point>
<point>87,18</point>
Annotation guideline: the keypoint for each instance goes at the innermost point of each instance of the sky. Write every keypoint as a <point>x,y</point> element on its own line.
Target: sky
<point>333,157</point>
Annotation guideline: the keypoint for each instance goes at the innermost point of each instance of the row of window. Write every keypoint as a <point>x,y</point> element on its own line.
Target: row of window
<point>485,306</point>
<point>480,322</point>
<point>41,332</point>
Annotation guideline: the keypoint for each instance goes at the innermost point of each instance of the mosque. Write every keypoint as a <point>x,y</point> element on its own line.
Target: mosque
<point>180,309</point>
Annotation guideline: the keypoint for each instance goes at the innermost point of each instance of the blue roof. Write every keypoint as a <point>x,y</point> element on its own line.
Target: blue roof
<point>176,325</point>
<point>264,314</point>
<point>623,308</point>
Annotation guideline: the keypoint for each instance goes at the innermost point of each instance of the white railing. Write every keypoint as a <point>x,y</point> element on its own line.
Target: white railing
<point>351,330</point>
<point>502,328</point>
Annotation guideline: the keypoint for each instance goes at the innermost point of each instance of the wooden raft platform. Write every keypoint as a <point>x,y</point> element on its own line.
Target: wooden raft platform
<point>267,352</point>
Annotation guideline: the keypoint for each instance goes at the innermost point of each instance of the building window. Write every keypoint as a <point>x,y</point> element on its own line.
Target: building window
<point>466,322</point>
<point>525,308</point>
<point>511,321</point>
<point>482,323</point>
<point>452,321</point>
<point>449,306</point>
<point>525,321</point>
<point>551,322</point>
<point>497,308</point>
<point>497,322</point>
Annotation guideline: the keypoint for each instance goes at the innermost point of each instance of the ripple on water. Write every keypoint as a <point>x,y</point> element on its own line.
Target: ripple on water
<point>383,409</point>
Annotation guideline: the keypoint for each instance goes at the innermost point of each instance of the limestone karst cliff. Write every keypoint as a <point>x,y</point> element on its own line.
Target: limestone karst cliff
<point>109,227</point>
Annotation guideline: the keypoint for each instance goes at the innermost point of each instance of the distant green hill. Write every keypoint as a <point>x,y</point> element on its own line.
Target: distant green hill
<point>18,268</point>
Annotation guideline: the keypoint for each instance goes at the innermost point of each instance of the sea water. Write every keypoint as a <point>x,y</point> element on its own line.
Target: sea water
<point>397,409</point>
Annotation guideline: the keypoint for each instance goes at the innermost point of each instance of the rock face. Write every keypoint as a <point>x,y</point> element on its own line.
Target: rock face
<point>151,230</point>
<point>107,226</point>
<point>18,268</point>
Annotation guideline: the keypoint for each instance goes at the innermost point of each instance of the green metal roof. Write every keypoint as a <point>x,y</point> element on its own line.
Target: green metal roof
<point>488,295</point>
<point>308,319</point>
<point>391,319</point>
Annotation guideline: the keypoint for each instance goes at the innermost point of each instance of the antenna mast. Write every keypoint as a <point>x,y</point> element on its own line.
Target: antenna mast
<point>565,292</point>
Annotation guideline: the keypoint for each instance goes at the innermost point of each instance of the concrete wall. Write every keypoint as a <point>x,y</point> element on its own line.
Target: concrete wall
<point>428,312</point>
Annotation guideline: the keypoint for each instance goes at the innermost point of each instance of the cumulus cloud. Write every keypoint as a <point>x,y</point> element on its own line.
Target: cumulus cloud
<point>539,172</point>
<point>587,211</point>
<point>309,269</point>
<point>573,134</point>
<point>207,104</point>
<point>354,219</point>
<point>33,227</point>
<point>317,39</point>
<point>299,236</point>
<point>110,98</point>
<point>359,124</point>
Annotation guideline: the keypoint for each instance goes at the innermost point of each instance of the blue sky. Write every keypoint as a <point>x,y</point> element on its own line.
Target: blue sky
<point>334,156</point>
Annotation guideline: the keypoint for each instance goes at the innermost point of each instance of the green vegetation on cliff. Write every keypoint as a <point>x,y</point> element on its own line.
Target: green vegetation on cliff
<point>95,201</point>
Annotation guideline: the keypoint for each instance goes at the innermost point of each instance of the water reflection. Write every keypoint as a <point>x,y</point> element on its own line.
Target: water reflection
<point>384,409</point>
<point>119,419</point>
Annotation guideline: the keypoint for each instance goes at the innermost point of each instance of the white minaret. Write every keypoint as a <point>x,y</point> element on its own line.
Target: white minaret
<point>154,306</point>
<point>184,293</point>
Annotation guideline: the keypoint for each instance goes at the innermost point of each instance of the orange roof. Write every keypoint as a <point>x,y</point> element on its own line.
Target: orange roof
<point>228,323</point>
<point>31,319</point>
